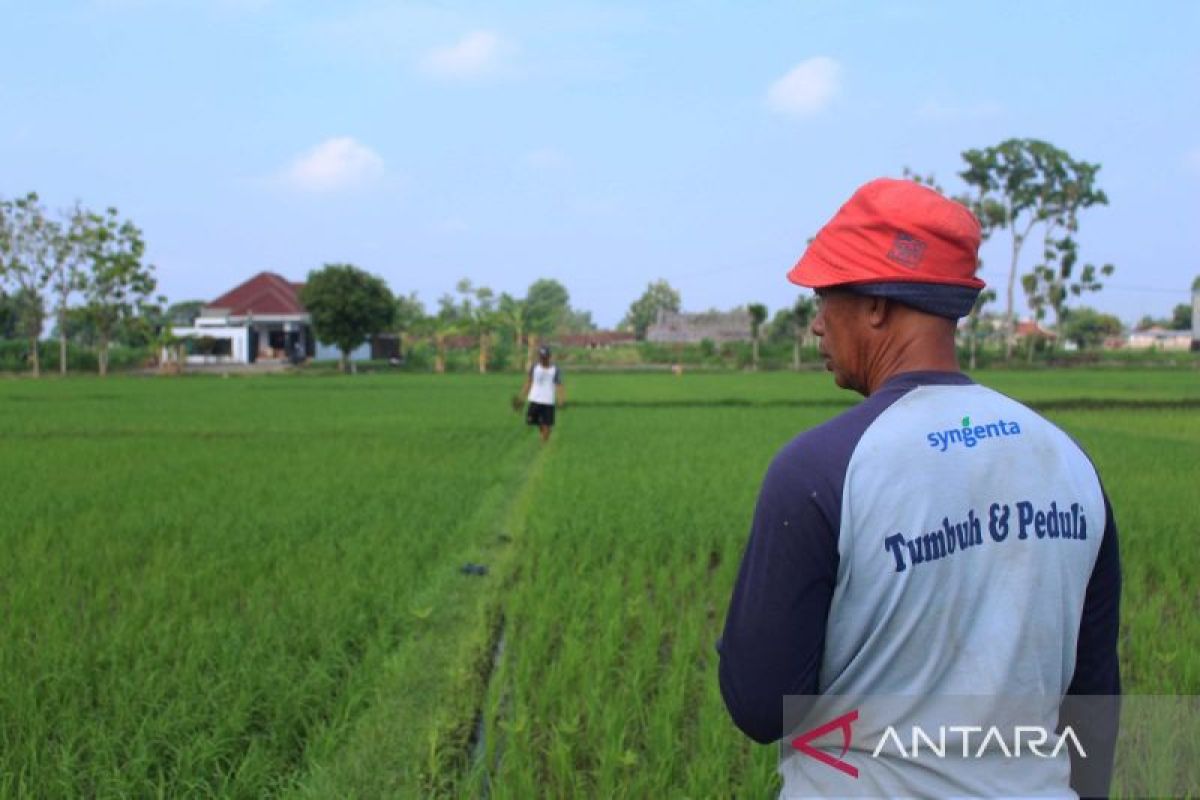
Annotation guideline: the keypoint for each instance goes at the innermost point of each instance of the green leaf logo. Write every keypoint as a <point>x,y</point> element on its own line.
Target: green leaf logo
<point>966,422</point>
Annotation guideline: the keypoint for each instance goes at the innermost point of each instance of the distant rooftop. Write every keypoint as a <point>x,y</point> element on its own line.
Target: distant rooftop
<point>265,293</point>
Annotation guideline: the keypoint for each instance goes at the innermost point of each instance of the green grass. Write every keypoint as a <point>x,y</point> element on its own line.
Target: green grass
<point>250,587</point>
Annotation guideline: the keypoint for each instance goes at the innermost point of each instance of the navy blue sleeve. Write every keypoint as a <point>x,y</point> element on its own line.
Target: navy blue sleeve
<point>774,637</point>
<point>1097,670</point>
<point>775,629</point>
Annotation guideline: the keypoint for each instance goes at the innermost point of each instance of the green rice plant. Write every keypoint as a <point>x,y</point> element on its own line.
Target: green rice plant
<point>250,587</point>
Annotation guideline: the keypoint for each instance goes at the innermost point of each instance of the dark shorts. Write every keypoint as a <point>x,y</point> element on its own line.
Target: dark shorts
<point>538,414</point>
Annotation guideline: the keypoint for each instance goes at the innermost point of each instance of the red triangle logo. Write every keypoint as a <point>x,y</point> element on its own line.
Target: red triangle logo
<point>843,723</point>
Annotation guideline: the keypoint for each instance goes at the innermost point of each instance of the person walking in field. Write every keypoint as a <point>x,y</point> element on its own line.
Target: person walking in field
<point>543,390</point>
<point>937,540</point>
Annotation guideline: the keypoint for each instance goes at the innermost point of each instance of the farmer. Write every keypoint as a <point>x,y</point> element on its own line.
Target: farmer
<point>937,539</point>
<point>543,388</point>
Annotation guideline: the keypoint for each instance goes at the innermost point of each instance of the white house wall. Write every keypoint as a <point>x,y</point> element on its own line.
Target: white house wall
<point>238,337</point>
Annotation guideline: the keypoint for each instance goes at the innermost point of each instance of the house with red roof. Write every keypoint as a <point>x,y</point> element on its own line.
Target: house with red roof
<point>260,320</point>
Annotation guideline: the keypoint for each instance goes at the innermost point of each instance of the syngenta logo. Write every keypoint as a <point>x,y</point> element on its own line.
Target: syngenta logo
<point>971,435</point>
<point>944,741</point>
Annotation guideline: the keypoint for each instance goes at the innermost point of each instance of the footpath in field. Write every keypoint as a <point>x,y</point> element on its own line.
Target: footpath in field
<point>423,727</point>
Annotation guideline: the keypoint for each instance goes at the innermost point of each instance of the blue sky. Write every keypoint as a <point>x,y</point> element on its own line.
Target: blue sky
<point>604,145</point>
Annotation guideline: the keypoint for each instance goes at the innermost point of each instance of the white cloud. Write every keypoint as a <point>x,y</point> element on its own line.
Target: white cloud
<point>337,163</point>
<point>546,158</point>
<point>1191,160</point>
<point>807,88</point>
<point>940,112</point>
<point>478,54</point>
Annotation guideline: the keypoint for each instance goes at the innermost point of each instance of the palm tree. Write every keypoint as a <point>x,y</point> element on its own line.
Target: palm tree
<point>478,314</point>
<point>514,313</point>
<point>447,322</point>
<point>802,313</point>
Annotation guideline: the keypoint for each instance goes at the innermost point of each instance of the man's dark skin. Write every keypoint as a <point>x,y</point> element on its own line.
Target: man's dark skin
<point>867,340</point>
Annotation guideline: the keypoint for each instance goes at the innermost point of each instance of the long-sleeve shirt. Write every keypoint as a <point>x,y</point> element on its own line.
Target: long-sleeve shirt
<point>937,539</point>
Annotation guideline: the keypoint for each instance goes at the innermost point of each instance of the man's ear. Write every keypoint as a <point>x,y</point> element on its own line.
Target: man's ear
<point>878,310</point>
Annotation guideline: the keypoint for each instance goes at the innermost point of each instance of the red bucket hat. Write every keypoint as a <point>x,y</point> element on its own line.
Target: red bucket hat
<point>894,231</point>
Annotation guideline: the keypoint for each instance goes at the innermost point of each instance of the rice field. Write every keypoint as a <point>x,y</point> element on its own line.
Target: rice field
<point>254,587</point>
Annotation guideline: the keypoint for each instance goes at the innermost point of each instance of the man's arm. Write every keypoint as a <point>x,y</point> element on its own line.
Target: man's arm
<point>1092,707</point>
<point>527,385</point>
<point>774,634</point>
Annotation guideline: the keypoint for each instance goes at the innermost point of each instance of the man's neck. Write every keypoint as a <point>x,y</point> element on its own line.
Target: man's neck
<point>913,355</point>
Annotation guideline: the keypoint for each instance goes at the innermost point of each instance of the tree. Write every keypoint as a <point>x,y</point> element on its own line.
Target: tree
<point>448,321</point>
<point>803,311</point>
<point>659,296</point>
<point>1147,322</point>
<point>1052,281</point>
<point>513,314</point>
<point>347,306</point>
<point>985,297</point>
<point>781,327</point>
<point>758,315</point>
<point>1181,317</point>
<point>410,318</point>
<point>25,263</point>
<point>142,328</point>
<point>69,248</point>
<point>479,315</point>
<point>118,284</point>
<point>547,304</point>
<point>792,324</point>
<point>1089,328</point>
<point>578,321</point>
<point>184,313</point>
<point>9,323</point>
<point>1020,184</point>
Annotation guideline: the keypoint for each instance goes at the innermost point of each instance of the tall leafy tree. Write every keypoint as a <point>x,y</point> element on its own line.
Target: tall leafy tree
<point>547,305</point>
<point>1089,328</point>
<point>758,315</point>
<point>450,320</point>
<point>1053,281</point>
<point>659,296</point>
<point>9,323</point>
<point>347,305</point>
<point>1020,184</point>
<point>118,284</point>
<point>578,321</point>
<point>26,239</point>
<point>513,315</point>
<point>68,276</point>
<point>1181,317</point>
<point>478,306</point>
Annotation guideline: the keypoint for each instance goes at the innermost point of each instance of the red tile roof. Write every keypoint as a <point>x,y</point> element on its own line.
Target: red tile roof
<point>1031,328</point>
<point>265,293</point>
